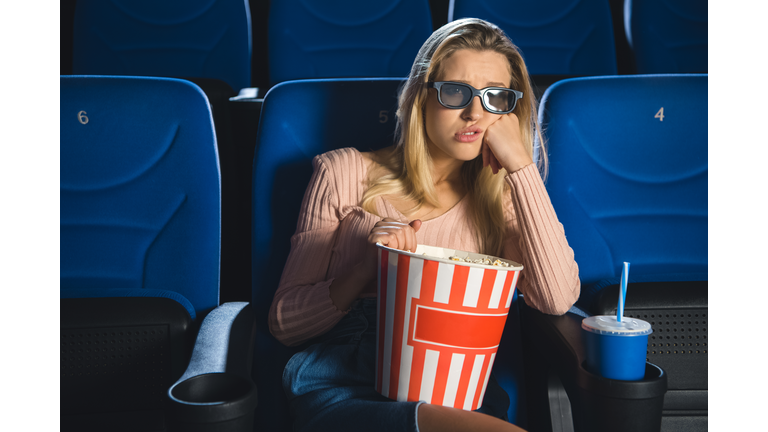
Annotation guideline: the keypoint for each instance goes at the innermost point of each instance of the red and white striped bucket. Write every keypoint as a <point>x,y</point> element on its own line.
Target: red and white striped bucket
<point>439,325</point>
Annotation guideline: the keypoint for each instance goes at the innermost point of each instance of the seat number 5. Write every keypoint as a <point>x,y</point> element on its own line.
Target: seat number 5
<point>383,116</point>
<point>660,115</point>
<point>82,118</point>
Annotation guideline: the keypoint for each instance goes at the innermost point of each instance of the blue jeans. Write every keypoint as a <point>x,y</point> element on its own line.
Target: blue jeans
<point>330,385</point>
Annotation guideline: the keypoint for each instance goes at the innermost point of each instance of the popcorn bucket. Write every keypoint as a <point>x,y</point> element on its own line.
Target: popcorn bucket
<point>439,324</point>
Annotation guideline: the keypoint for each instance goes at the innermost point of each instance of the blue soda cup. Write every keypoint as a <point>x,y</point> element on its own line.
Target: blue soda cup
<point>616,350</point>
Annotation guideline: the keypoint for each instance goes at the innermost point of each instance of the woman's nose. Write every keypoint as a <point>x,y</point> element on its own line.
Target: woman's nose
<point>474,111</point>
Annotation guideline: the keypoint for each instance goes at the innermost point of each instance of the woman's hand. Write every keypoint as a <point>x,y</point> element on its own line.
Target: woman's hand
<point>395,234</point>
<point>361,278</point>
<point>503,145</point>
<point>391,233</point>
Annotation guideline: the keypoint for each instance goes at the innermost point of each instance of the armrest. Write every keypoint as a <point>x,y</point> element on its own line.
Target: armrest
<point>216,391</point>
<point>653,295</point>
<point>119,354</point>
<point>597,403</point>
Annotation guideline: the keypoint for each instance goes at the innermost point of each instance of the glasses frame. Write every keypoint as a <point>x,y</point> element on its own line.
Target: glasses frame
<point>475,92</point>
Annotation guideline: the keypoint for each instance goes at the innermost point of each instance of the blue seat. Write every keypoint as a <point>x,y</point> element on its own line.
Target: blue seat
<point>629,182</point>
<point>562,37</point>
<point>345,38</point>
<point>628,173</point>
<point>667,36</point>
<point>290,135</point>
<point>206,42</point>
<point>139,243</point>
<point>139,198</point>
<point>201,38</point>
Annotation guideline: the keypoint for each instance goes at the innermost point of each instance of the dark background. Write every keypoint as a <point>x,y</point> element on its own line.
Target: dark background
<point>260,13</point>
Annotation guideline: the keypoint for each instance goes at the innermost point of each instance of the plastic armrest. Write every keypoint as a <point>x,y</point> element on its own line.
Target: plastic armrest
<point>653,295</point>
<point>216,391</point>
<point>597,403</point>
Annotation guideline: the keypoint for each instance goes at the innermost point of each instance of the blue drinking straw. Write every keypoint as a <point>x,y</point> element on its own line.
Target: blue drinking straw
<point>623,293</point>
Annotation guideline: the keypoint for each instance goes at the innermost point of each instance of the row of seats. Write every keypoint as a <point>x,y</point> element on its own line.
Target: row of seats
<point>211,44</point>
<point>141,221</point>
<point>347,38</point>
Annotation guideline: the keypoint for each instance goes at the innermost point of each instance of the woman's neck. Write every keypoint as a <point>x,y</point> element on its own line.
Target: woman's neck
<point>445,169</point>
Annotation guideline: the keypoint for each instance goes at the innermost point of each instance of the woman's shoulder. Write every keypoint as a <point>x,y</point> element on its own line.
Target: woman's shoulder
<point>347,170</point>
<point>351,160</point>
<point>343,158</point>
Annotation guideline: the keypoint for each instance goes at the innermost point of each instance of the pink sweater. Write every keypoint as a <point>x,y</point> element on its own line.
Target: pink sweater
<point>332,233</point>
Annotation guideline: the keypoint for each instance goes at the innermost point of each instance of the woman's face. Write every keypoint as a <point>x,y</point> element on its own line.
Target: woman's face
<point>458,133</point>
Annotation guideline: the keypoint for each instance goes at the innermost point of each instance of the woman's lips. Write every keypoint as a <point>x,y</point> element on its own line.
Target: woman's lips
<point>469,134</point>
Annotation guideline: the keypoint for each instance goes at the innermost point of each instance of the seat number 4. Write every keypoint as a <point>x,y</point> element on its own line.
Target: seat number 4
<point>660,115</point>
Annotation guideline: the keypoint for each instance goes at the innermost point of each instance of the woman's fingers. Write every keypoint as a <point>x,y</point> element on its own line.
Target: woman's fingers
<point>395,234</point>
<point>386,238</point>
<point>505,145</point>
<point>391,234</point>
<point>415,224</point>
<point>410,239</point>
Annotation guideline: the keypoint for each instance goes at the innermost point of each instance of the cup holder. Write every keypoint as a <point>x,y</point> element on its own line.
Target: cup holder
<point>653,384</point>
<point>215,401</point>
<point>603,403</point>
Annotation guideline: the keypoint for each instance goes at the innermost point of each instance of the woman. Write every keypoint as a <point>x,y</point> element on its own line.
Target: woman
<point>461,176</point>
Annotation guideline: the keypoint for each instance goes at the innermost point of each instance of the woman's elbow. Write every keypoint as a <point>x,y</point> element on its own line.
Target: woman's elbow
<point>549,308</point>
<point>564,304</point>
<point>276,326</point>
<point>283,336</point>
<point>570,296</point>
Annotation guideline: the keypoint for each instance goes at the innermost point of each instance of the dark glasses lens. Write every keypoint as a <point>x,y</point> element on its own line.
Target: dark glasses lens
<point>455,95</point>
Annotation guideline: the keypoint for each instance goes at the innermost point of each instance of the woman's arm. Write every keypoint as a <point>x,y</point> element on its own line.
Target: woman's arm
<point>302,307</point>
<point>550,278</point>
<point>309,302</point>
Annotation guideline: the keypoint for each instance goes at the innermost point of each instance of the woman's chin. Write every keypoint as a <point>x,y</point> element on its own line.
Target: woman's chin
<point>467,154</point>
<point>460,151</point>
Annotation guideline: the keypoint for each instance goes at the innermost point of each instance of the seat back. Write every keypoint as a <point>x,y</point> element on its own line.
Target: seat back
<point>560,37</point>
<point>628,172</point>
<point>191,38</point>
<point>140,198</point>
<point>667,36</point>
<point>628,180</point>
<point>290,135</point>
<point>345,38</point>
<point>139,244</point>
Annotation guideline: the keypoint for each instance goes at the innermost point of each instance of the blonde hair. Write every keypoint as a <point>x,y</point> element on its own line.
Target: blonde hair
<point>410,165</point>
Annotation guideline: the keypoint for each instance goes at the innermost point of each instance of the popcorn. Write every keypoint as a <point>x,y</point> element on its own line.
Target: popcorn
<point>482,261</point>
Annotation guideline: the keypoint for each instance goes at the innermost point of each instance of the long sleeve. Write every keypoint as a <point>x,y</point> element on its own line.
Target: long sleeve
<point>302,307</point>
<point>550,279</point>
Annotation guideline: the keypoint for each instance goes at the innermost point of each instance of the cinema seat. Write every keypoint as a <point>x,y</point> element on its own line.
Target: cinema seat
<point>345,38</point>
<point>562,37</point>
<point>206,42</point>
<point>190,39</point>
<point>629,182</point>
<point>291,134</point>
<point>667,36</point>
<point>139,271</point>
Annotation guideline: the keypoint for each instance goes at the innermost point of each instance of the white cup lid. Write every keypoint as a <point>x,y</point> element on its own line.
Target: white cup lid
<point>609,325</point>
